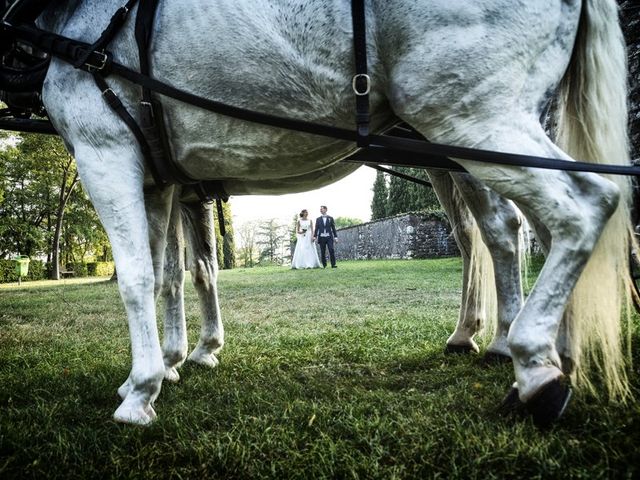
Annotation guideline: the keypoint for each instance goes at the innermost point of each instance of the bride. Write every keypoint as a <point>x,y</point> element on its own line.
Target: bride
<point>305,254</point>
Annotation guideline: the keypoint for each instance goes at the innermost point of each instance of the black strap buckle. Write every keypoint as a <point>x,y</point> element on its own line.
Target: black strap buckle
<point>99,65</point>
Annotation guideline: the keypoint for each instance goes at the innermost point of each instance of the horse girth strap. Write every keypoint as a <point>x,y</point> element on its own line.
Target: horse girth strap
<point>102,63</point>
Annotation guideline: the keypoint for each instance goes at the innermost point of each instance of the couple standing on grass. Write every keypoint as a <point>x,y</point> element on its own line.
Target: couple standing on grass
<point>324,233</point>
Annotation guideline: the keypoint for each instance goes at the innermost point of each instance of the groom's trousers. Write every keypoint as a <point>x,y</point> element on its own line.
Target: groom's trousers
<point>325,242</point>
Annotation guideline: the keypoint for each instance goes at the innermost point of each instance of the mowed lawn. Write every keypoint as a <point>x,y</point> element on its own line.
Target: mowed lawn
<point>325,374</point>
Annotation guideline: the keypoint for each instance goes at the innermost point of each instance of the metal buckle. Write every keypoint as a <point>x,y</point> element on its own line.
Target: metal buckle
<point>96,68</point>
<point>368,84</point>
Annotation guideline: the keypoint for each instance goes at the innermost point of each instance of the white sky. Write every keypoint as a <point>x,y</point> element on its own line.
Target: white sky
<point>349,197</point>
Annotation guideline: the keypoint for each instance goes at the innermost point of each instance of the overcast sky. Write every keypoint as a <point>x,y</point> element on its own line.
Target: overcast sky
<point>349,197</point>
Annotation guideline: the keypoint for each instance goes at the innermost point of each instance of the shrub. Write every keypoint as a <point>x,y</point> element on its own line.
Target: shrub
<point>100,269</point>
<point>79,269</point>
<point>37,271</point>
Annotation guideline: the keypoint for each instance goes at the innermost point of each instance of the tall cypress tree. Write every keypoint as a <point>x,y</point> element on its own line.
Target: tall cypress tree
<point>380,194</point>
<point>399,197</point>
<point>421,196</point>
<point>228,244</point>
<point>225,246</point>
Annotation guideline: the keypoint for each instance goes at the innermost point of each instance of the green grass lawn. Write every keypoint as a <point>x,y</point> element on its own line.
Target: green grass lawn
<point>325,374</point>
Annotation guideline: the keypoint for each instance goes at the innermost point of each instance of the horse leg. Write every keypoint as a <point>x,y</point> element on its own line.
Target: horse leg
<point>113,180</point>
<point>158,208</point>
<point>471,316</point>
<point>499,223</point>
<point>175,344</point>
<point>574,208</point>
<point>203,264</point>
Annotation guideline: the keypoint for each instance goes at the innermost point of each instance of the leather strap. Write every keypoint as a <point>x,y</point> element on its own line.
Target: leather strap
<point>361,83</point>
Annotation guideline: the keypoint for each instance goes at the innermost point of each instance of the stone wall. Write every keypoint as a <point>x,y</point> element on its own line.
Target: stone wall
<point>411,235</point>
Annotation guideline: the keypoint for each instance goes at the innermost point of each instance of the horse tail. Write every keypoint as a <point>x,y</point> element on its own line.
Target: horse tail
<point>592,126</point>
<point>482,285</point>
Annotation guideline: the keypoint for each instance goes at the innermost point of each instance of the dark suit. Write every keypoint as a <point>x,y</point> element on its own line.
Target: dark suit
<point>325,233</point>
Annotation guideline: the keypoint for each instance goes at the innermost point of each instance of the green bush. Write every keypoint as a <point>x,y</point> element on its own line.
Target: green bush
<point>37,271</point>
<point>100,269</point>
<point>79,269</point>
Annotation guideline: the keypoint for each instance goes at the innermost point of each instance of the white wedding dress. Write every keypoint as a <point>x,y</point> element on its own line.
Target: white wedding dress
<point>305,254</point>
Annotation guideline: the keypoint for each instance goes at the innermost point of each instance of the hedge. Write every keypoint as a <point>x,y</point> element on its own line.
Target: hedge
<point>39,270</point>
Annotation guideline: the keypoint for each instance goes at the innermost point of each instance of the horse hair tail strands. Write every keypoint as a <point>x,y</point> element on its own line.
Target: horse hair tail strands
<point>592,126</point>
<point>481,285</point>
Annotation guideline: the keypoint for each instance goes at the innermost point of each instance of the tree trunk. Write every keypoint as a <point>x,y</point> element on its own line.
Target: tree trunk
<point>62,203</point>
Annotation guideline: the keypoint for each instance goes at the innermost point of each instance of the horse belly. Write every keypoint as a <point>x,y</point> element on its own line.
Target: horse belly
<point>292,59</point>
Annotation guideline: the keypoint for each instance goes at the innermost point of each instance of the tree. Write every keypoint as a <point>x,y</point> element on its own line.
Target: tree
<point>39,177</point>
<point>421,197</point>
<point>271,236</point>
<point>247,235</point>
<point>399,199</point>
<point>343,222</point>
<point>228,244</point>
<point>380,195</point>
<point>225,247</point>
<point>45,212</point>
<point>630,16</point>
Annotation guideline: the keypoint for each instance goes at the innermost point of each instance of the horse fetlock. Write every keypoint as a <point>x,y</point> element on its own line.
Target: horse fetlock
<point>174,357</point>
<point>499,346</point>
<point>125,388</point>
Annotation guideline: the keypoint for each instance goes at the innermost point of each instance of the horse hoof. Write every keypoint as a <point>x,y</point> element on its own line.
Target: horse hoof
<point>495,358</point>
<point>511,404</point>
<point>459,349</point>
<point>171,375</point>
<point>204,358</point>
<point>550,402</point>
<point>134,416</point>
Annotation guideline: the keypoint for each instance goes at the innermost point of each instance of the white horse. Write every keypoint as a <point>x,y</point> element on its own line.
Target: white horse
<point>472,74</point>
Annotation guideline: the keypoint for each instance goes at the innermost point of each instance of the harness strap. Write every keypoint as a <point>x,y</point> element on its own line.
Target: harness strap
<point>361,83</point>
<point>151,118</point>
<point>223,230</point>
<point>117,106</point>
<point>404,176</point>
<point>117,21</point>
<point>143,30</point>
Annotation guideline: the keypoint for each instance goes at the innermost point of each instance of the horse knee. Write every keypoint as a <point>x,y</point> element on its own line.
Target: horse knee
<point>172,283</point>
<point>501,232</point>
<point>204,274</point>
<point>134,285</point>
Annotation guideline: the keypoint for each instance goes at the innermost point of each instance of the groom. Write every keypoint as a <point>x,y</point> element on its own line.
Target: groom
<point>325,234</point>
